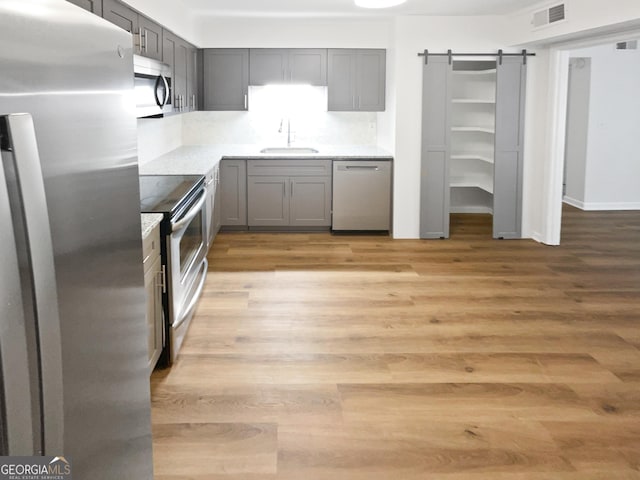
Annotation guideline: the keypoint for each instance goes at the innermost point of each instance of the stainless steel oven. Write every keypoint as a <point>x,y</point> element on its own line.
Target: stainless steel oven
<point>181,199</point>
<point>187,266</point>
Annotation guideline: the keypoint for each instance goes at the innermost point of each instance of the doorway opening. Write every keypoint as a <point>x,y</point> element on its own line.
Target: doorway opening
<point>593,160</point>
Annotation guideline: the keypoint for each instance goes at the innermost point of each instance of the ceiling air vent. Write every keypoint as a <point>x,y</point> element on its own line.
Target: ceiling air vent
<point>549,16</point>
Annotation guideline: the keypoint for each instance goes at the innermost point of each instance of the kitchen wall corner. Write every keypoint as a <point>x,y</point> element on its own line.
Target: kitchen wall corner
<point>157,136</point>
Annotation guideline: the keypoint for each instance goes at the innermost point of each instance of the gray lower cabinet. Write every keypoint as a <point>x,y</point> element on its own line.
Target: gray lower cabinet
<point>289,193</point>
<point>147,35</point>
<point>310,204</point>
<point>226,79</point>
<point>288,66</point>
<point>233,193</point>
<point>268,201</point>
<point>94,6</point>
<point>356,80</point>
<point>153,281</point>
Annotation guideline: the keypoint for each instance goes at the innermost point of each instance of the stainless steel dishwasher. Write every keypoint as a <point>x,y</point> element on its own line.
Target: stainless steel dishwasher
<point>361,195</point>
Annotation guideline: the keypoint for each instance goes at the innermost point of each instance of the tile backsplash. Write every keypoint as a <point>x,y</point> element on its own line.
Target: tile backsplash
<point>265,124</point>
<point>320,128</point>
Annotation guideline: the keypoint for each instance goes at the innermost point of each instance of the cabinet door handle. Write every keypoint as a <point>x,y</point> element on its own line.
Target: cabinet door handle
<point>246,101</point>
<point>292,188</point>
<point>162,282</point>
<point>139,40</point>
<point>144,38</point>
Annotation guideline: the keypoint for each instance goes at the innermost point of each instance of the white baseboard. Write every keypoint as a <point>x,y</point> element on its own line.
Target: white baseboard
<point>573,202</point>
<point>601,206</point>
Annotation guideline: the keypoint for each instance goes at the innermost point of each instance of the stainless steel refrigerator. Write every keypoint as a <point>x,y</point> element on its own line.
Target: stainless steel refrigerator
<point>73,340</point>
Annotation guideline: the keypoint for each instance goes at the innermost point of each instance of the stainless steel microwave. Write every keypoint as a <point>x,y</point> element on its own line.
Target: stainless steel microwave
<point>152,87</point>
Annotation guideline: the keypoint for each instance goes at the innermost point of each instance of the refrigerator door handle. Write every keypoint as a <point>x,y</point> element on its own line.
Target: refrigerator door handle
<point>19,435</point>
<point>20,142</point>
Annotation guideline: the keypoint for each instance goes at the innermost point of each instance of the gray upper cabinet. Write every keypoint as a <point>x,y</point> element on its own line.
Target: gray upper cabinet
<point>151,36</point>
<point>169,50</point>
<point>122,16</point>
<point>226,78</point>
<point>357,80</point>
<point>268,66</point>
<point>308,66</point>
<point>288,66</point>
<point>147,35</point>
<point>181,57</point>
<point>94,6</point>
<point>192,78</point>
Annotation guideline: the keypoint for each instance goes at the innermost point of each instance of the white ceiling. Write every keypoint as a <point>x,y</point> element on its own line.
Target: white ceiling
<point>334,8</point>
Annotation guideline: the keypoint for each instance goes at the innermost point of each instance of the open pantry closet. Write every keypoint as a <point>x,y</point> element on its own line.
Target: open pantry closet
<point>472,140</point>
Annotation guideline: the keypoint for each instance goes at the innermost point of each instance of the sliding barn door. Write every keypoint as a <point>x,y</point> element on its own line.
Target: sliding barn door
<point>434,178</point>
<point>507,195</point>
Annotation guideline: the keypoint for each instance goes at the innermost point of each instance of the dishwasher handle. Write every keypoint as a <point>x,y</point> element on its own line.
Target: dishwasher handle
<point>358,167</point>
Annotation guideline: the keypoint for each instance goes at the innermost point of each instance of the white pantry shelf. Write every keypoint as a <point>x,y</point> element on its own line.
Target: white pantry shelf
<point>477,181</point>
<point>473,156</point>
<point>490,130</point>
<point>473,101</point>
<point>475,73</point>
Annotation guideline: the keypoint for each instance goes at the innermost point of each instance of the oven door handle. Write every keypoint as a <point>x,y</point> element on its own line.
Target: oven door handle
<point>191,214</point>
<point>194,300</point>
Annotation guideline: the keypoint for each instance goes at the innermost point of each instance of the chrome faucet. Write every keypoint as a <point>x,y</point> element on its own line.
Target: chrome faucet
<point>288,130</point>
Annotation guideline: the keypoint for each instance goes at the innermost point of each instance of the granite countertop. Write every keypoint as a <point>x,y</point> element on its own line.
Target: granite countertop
<point>149,222</point>
<point>199,160</point>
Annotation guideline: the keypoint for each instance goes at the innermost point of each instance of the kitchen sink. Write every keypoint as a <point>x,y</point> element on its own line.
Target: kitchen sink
<point>285,150</point>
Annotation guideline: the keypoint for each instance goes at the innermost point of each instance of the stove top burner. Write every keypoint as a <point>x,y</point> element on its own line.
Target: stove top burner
<point>165,193</point>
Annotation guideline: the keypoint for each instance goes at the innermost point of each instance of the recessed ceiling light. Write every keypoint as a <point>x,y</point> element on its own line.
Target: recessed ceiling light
<point>378,3</point>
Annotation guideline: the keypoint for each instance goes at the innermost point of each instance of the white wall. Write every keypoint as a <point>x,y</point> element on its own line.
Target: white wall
<point>582,16</point>
<point>413,35</point>
<point>157,136</point>
<point>612,161</point>
<point>546,96</point>
<point>577,130</point>
<point>292,33</point>
<point>169,13</point>
<point>324,128</point>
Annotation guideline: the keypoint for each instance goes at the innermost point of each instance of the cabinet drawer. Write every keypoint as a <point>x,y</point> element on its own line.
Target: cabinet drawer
<point>293,168</point>
<point>151,248</point>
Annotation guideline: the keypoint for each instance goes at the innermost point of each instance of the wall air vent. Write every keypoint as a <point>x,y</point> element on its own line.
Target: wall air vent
<point>629,45</point>
<point>549,16</point>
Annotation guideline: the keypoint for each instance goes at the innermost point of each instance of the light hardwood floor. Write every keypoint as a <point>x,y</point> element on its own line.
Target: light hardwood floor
<point>318,357</point>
